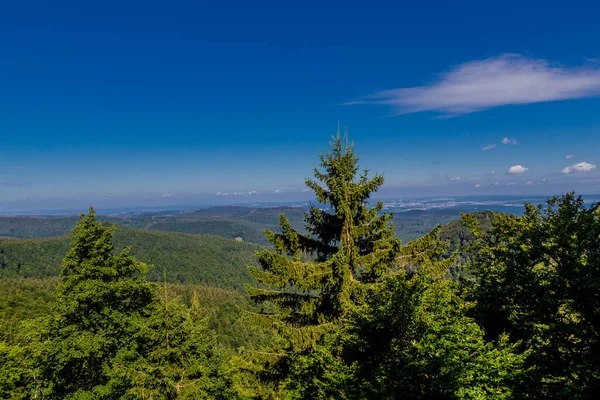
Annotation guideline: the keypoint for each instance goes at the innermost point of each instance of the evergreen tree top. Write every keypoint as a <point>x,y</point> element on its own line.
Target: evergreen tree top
<point>315,278</point>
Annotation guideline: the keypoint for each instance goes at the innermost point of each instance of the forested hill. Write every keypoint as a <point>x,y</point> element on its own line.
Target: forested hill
<point>458,235</point>
<point>187,258</point>
<point>229,222</point>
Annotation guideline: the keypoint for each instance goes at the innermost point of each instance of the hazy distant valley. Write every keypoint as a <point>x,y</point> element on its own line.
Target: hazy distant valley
<point>204,246</point>
<point>412,217</point>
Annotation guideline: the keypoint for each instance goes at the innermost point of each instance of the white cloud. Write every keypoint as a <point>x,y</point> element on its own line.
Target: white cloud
<point>478,185</point>
<point>568,156</point>
<point>496,183</point>
<point>250,193</point>
<point>579,167</point>
<point>306,190</point>
<point>509,141</point>
<point>510,184</point>
<point>278,191</point>
<point>455,178</point>
<point>486,148</point>
<point>529,183</point>
<point>517,169</point>
<point>507,79</point>
<point>166,195</point>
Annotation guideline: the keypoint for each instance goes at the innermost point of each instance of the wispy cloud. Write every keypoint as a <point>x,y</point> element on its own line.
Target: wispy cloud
<point>166,195</point>
<point>224,194</point>
<point>509,141</point>
<point>486,148</point>
<point>277,191</point>
<point>454,178</point>
<point>568,156</point>
<point>528,183</point>
<point>579,167</point>
<point>507,79</point>
<point>517,169</point>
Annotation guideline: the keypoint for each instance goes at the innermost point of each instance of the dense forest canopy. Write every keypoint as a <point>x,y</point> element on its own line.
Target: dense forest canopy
<point>335,306</point>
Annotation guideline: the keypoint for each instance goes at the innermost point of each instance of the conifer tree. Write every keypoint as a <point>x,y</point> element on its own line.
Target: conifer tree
<point>313,282</point>
<point>314,279</point>
<point>101,301</point>
<point>181,360</point>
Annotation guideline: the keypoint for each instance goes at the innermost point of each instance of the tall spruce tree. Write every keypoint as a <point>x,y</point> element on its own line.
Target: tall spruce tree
<point>312,283</point>
<point>101,302</point>
<point>314,279</point>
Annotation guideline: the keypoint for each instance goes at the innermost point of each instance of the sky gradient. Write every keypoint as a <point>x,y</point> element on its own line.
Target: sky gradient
<point>163,103</point>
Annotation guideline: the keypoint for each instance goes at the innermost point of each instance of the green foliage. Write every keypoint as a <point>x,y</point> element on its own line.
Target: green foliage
<point>23,300</point>
<point>181,361</point>
<point>101,301</point>
<point>32,258</point>
<point>109,336</point>
<point>187,258</point>
<point>412,339</point>
<point>193,259</point>
<point>14,371</point>
<point>458,235</point>
<point>20,300</point>
<point>318,373</point>
<point>314,278</point>
<point>537,278</point>
<point>459,238</point>
<point>36,227</point>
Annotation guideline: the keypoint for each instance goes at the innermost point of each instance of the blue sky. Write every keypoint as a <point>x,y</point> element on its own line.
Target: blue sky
<point>158,103</point>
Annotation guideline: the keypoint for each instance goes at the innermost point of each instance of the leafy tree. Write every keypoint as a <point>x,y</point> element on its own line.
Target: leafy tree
<point>101,301</point>
<point>537,278</point>
<point>413,339</point>
<point>14,376</point>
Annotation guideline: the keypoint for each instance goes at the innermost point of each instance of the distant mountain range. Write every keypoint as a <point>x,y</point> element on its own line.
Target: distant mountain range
<point>510,204</point>
<point>413,217</point>
<point>215,245</point>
